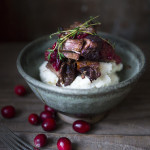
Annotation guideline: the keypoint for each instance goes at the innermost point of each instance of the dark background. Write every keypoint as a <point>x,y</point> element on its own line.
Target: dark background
<point>25,20</point>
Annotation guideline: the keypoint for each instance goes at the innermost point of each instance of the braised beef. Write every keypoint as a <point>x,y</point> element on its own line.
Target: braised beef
<point>71,48</point>
<point>74,45</point>
<point>67,73</point>
<point>89,48</point>
<point>71,55</point>
<point>89,68</point>
<point>92,47</point>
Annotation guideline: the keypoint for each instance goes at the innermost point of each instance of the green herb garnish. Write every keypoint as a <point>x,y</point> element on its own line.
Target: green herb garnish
<point>72,33</point>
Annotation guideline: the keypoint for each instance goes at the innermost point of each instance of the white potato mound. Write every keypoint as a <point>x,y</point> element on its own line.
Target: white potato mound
<point>108,76</point>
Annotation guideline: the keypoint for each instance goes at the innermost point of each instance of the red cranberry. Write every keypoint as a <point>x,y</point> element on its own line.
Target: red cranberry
<point>33,119</point>
<point>49,109</point>
<point>53,55</point>
<point>8,111</point>
<point>64,144</point>
<point>54,59</point>
<point>20,90</point>
<point>49,124</point>
<point>57,64</point>
<point>45,114</point>
<point>54,45</point>
<point>40,140</point>
<point>81,126</point>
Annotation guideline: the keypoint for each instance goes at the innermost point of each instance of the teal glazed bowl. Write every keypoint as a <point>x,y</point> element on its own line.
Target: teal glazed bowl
<point>81,102</point>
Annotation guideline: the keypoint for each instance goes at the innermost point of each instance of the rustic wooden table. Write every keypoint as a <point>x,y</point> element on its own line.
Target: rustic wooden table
<point>125,127</point>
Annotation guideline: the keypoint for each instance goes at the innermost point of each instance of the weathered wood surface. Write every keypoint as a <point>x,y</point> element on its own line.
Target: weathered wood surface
<point>125,127</point>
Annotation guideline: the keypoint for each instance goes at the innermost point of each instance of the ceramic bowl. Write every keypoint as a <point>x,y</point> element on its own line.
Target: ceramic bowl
<point>81,102</point>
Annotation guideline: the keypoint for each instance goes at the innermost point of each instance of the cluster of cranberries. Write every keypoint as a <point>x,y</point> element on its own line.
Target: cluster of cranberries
<point>54,59</point>
<point>48,124</point>
<point>47,117</point>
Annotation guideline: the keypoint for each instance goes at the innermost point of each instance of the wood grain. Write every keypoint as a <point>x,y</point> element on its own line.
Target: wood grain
<point>125,127</point>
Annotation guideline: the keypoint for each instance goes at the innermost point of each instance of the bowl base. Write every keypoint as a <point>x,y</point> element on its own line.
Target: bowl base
<point>71,119</point>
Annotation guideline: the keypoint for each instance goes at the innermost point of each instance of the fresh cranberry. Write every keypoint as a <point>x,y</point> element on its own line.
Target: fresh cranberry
<point>33,119</point>
<point>81,126</point>
<point>40,140</point>
<point>8,111</point>
<point>49,124</point>
<point>20,90</point>
<point>45,114</point>
<point>49,109</point>
<point>64,143</point>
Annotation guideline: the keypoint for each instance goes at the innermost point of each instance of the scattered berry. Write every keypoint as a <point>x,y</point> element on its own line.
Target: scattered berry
<point>49,124</point>
<point>20,90</point>
<point>46,114</point>
<point>8,111</point>
<point>81,126</point>
<point>64,144</point>
<point>49,109</point>
<point>40,140</point>
<point>33,119</point>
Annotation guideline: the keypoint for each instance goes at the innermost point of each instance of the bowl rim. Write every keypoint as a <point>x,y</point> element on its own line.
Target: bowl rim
<point>91,91</point>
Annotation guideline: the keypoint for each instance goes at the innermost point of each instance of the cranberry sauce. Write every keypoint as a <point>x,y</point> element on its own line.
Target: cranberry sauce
<point>79,36</point>
<point>107,53</point>
<point>54,58</point>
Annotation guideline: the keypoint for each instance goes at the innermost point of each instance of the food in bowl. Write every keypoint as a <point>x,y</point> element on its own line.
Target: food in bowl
<point>81,59</point>
<point>89,102</point>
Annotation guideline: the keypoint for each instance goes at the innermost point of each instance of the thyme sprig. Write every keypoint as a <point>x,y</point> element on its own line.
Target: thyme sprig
<point>71,33</point>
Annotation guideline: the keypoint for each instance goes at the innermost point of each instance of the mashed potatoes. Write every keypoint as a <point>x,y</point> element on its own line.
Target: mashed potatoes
<point>108,76</point>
